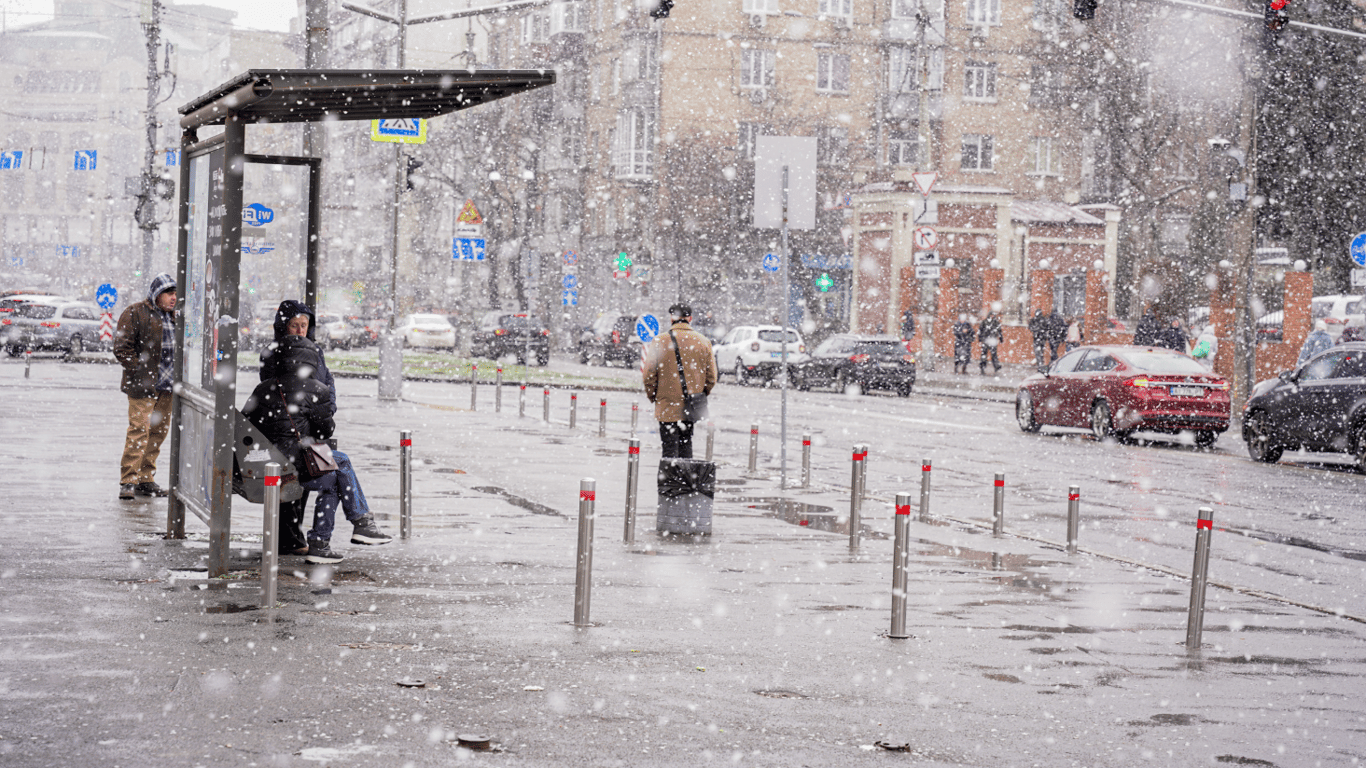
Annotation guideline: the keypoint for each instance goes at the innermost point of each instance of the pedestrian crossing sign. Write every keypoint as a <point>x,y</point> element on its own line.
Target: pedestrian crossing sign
<point>407,130</point>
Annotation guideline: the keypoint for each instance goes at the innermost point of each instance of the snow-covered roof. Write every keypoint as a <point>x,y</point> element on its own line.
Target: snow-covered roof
<point>1046,212</point>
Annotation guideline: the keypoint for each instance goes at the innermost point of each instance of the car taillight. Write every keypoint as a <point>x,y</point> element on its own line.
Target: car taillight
<point>1140,381</point>
<point>51,325</point>
<point>801,348</point>
<point>616,337</point>
<point>499,331</point>
<point>908,359</point>
<point>545,332</point>
<point>1220,385</point>
<point>6,321</point>
<point>858,358</point>
<point>754,347</point>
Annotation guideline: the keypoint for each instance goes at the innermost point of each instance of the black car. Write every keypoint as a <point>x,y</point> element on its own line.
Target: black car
<point>610,339</point>
<point>508,333</point>
<point>1319,406</point>
<point>868,362</point>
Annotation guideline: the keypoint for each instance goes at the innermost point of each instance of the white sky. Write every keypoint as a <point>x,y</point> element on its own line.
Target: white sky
<point>251,14</point>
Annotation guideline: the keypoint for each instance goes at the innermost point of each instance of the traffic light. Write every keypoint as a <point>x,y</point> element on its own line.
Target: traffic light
<point>1084,9</point>
<point>661,11</point>
<point>413,165</point>
<point>1275,14</point>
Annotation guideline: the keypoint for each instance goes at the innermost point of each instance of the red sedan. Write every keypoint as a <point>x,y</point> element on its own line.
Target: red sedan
<point>1117,390</point>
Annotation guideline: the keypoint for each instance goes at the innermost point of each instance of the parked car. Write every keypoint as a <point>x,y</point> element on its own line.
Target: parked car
<point>611,338</point>
<point>1319,406</point>
<point>1337,311</point>
<point>427,331</point>
<point>333,332</point>
<point>71,326</point>
<point>868,362</point>
<point>511,333</point>
<point>1117,390</point>
<point>9,305</point>
<point>757,351</point>
<point>259,330</point>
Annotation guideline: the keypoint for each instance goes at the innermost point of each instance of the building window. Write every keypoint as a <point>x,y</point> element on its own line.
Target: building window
<point>984,12</point>
<point>1042,161</point>
<point>843,9</point>
<point>536,27</point>
<point>568,17</point>
<point>979,81</point>
<point>634,145</point>
<point>903,69</point>
<point>760,6</point>
<point>832,72</point>
<point>756,68</point>
<point>904,9</point>
<point>749,139</point>
<point>1185,162</point>
<point>1050,14</point>
<point>976,154</point>
<point>902,149</point>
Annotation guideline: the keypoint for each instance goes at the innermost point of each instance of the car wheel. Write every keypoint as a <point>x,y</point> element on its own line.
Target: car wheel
<point>1024,412</point>
<point>904,389</point>
<point>1205,438</point>
<point>1259,445</point>
<point>14,350</point>
<point>543,358</point>
<point>799,380</point>
<point>1361,448</point>
<point>741,379</point>
<point>1102,425</point>
<point>76,347</point>
<point>843,384</point>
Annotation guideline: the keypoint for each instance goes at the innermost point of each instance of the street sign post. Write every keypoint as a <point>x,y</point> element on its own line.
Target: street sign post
<point>925,238</point>
<point>924,181</point>
<point>406,130</point>
<point>106,296</point>
<point>647,328</point>
<point>467,249</point>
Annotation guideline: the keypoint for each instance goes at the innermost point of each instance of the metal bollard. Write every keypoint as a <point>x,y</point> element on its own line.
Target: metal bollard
<point>583,578</point>
<point>635,416</point>
<point>1195,620</point>
<point>900,554</point>
<point>998,506</point>
<point>1073,517</point>
<point>474,385</point>
<point>753,447</point>
<point>28,362</point>
<point>925,467</point>
<point>405,484</point>
<point>602,417</point>
<point>806,460</point>
<point>270,545</point>
<point>498,391</point>
<point>545,405</point>
<point>632,483</point>
<point>856,482</point>
<point>711,438</point>
<point>521,402</point>
<point>573,409</point>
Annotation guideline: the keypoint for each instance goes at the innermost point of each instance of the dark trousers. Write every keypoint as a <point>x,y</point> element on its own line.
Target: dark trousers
<point>676,437</point>
<point>989,349</point>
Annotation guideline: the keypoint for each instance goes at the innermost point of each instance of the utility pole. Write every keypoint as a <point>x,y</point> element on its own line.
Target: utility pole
<point>146,211</point>
<point>316,44</point>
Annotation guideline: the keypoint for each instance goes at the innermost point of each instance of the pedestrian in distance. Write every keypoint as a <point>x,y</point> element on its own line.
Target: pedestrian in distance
<point>1057,334</point>
<point>1038,329</point>
<point>908,324</point>
<point>1074,333</point>
<point>1145,335</point>
<point>1174,337</point>
<point>144,345</point>
<point>1317,342</point>
<point>680,355</point>
<point>1206,347</point>
<point>294,318</point>
<point>293,409</point>
<point>989,334</point>
<point>963,335</point>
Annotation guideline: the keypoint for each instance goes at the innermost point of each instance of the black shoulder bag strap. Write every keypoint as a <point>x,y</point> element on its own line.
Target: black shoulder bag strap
<point>679,357</point>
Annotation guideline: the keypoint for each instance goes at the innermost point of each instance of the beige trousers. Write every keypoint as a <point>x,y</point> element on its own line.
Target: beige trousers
<point>149,419</point>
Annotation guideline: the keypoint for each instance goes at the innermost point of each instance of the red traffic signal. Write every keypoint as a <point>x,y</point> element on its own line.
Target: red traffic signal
<point>1275,14</point>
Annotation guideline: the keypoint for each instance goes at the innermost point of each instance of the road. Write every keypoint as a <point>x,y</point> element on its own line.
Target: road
<point>1293,529</point>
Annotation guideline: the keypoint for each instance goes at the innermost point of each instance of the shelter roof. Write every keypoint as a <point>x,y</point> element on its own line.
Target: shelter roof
<point>1046,212</point>
<point>304,95</point>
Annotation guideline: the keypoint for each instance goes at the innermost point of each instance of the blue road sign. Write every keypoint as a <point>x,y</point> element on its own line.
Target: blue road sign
<point>569,298</point>
<point>11,160</point>
<point>468,249</point>
<point>647,328</point>
<point>106,296</point>
<point>772,262</point>
<point>571,258</point>
<point>570,282</point>
<point>85,160</point>
<point>1358,250</point>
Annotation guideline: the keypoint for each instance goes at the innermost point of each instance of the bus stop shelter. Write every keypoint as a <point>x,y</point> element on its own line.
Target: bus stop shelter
<point>204,421</point>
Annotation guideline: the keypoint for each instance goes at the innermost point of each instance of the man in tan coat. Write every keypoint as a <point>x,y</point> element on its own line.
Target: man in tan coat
<point>665,388</point>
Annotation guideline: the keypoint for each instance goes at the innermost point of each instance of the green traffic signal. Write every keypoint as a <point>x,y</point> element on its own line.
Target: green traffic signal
<point>623,262</point>
<point>824,282</point>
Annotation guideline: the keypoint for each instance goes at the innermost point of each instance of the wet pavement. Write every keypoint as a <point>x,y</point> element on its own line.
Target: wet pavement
<point>763,644</point>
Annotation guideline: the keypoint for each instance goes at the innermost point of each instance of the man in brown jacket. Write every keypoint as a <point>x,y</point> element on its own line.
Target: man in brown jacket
<point>663,385</point>
<point>145,345</point>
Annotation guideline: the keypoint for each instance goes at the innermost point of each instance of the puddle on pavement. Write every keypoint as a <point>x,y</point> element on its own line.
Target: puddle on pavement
<point>780,694</point>
<point>814,516</point>
<point>229,608</point>
<point>518,501</point>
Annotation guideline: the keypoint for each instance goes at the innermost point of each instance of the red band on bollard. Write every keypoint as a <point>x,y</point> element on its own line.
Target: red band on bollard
<point>588,496</point>
<point>1204,524</point>
<point>903,509</point>
<point>1073,496</point>
<point>523,387</point>
<point>272,480</point>
<point>804,522</point>
<point>633,450</point>
<point>500,369</point>
<point>754,431</point>
<point>860,456</point>
<point>573,397</point>
<point>404,443</point>
<point>806,442</point>
<point>924,467</point>
<point>1000,483</point>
